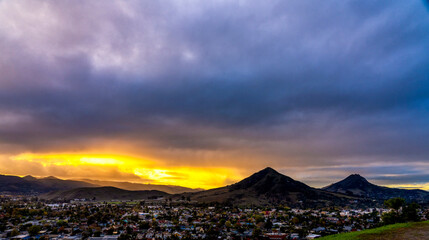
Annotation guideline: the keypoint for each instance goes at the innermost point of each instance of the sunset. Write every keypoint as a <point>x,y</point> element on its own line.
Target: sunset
<point>193,98</point>
<point>116,167</point>
<point>346,88</point>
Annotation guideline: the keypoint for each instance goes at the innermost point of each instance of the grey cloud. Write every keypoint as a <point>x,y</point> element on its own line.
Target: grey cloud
<point>321,82</point>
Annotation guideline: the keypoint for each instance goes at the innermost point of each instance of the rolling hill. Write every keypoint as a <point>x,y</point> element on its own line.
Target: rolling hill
<point>32,185</point>
<point>14,184</point>
<point>103,194</point>
<point>262,188</point>
<point>356,185</point>
<point>54,183</point>
<point>140,187</point>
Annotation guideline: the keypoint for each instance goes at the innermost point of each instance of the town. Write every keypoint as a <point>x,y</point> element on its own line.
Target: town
<point>31,218</point>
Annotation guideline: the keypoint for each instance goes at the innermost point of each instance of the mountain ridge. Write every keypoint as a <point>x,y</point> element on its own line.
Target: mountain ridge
<point>32,185</point>
<point>356,185</point>
<point>172,189</point>
<point>103,194</point>
<point>267,187</point>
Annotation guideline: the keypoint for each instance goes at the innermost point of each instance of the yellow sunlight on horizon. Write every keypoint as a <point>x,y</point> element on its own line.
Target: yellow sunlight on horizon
<point>147,171</point>
<point>422,186</point>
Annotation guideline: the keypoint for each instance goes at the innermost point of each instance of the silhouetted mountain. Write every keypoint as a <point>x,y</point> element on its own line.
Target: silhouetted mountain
<point>103,194</point>
<point>55,184</point>
<point>32,185</point>
<point>140,187</point>
<point>29,178</point>
<point>269,181</point>
<point>268,187</point>
<point>357,185</point>
<point>264,187</point>
<point>14,184</point>
<point>51,178</point>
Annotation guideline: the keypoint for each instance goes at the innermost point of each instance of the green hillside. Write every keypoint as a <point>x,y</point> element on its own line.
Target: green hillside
<point>411,231</point>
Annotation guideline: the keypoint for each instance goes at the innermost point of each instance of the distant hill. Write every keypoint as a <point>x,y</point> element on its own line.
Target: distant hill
<point>269,187</point>
<point>140,187</point>
<point>357,185</point>
<point>262,188</point>
<point>103,194</point>
<point>55,184</point>
<point>32,185</point>
<point>14,184</point>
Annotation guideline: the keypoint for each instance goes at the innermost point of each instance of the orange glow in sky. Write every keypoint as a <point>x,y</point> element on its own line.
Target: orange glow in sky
<point>145,170</point>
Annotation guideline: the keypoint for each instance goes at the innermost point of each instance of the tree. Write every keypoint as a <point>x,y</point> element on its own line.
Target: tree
<point>411,212</point>
<point>97,233</point>
<point>295,220</point>
<point>34,230</point>
<point>389,218</point>
<point>124,236</point>
<point>110,231</point>
<point>259,218</point>
<point>256,233</point>
<point>14,232</point>
<point>144,225</point>
<point>228,224</point>
<point>395,203</point>
<point>268,224</point>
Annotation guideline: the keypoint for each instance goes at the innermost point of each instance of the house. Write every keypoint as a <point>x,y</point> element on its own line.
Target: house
<point>276,236</point>
<point>313,236</point>
<point>294,236</point>
<point>22,236</point>
<point>107,237</point>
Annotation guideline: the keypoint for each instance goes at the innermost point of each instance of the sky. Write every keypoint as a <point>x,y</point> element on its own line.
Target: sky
<point>204,93</point>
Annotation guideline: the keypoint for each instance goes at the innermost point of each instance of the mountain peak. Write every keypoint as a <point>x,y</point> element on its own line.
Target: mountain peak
<point>357,185</point>
<point>354,180</point>
<point>356,177</point>
<point>29,178</point>
<point>268,170</point>
<point>268,179</point>
<point>51,178</point>
<point>351,183</point>
<point>265,186</point>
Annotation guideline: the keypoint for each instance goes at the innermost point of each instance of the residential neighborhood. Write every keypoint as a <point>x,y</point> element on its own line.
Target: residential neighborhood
<point>30,218</point>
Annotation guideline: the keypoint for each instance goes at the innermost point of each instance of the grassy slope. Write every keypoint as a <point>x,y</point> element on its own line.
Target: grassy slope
<point>394,231</point>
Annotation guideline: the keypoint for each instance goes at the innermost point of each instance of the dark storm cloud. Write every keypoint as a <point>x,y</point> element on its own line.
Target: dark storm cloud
<point>325,82</point>
<point>403,179</point>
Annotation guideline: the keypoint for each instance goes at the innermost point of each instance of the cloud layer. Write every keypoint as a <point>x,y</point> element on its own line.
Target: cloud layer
<point>237,84</point>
